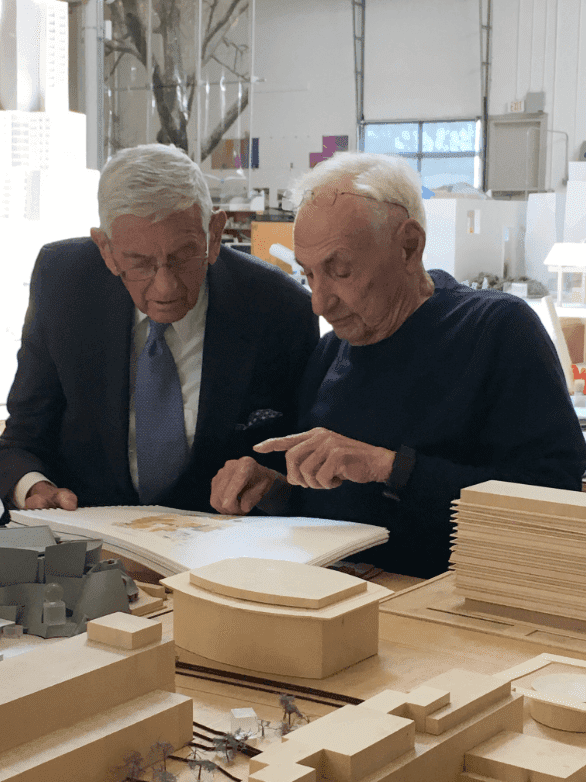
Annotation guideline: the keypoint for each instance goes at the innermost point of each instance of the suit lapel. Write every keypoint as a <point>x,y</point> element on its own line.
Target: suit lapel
<point>118,319</point>
<point>230,344</point>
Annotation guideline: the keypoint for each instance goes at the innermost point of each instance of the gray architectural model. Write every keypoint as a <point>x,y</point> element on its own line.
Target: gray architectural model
<point>53,587</point>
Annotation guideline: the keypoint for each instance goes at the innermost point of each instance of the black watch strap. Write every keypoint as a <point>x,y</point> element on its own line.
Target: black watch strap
<point>401,472</point>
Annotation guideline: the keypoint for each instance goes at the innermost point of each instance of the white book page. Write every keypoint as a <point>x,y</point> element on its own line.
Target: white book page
<point>171,541</point>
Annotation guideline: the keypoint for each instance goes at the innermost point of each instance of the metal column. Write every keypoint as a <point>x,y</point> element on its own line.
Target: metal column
<point>358,12</point>
<point>485,78</point>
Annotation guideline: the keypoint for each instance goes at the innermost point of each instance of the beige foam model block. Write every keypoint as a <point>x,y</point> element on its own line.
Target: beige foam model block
<point>68,681</point>
<point>90,750</point>
<point>518,496</point>
<point>155,590</point>
<point>469,693</point>
<point>146,603</point>
<point>387,702</point>
<point>507,755</point>
<point>555,712</point>
<point>357,741</point>
<point>124,630</point>
<point>424,701</point>
<point>415,706</point>
<point>434,758</point>
<point>288,753</point>
<point>277,582</point>
<point>292,773</point>
<point>284,640</point>
<point>561,716</point>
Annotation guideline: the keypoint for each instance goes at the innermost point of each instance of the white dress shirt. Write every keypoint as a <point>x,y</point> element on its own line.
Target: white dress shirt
<point>185,339</point>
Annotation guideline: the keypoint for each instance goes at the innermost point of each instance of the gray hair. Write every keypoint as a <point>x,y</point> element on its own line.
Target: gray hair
<point>380,177</point>
<point>151,180</point>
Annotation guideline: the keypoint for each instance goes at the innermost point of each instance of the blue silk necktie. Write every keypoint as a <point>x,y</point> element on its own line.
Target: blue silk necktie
<point>161,444</point>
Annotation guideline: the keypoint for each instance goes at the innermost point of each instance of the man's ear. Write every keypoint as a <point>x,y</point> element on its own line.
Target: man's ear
<point>411,236</point>
<point>101,239</point>
<point>217,223</point>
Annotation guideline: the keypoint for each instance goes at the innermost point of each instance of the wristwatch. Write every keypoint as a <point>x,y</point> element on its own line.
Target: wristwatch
<point>401,472</point>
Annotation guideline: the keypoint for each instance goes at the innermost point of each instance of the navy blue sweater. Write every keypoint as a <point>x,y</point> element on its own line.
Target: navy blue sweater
<point>472,382</point>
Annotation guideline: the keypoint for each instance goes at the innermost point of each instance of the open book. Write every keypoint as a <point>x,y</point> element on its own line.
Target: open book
<point>171,541</point>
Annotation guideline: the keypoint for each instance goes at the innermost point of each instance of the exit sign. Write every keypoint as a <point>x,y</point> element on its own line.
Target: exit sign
<point>517,106</point>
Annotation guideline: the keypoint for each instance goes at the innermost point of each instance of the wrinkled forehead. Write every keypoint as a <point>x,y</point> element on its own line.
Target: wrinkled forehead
<point>346,215</point>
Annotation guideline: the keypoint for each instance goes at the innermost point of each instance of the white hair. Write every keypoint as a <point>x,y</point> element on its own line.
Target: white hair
<point>151,180</point>
<point>384,178</point>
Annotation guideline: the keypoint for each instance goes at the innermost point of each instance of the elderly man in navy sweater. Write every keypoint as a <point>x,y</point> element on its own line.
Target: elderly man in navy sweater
<point>425,386</point>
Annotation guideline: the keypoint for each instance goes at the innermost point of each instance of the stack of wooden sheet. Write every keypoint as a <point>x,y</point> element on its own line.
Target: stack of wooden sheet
<point>522,546</point>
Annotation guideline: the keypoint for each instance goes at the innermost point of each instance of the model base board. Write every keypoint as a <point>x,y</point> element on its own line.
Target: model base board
<point>267,622</point>
<point>436,600</point>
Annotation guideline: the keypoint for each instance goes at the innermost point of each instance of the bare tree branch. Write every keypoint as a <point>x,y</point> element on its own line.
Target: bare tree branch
<point>173,86</point>
<point>242,76</point>
<point>215,136</point>
<point>218,26</point>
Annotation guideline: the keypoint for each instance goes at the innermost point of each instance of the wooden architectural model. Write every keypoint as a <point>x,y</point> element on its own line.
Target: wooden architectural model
<point>458,727</point>
<point>276,617</point>
<point>73,709</point>
<point>555,687</point>
<point>520,551</point>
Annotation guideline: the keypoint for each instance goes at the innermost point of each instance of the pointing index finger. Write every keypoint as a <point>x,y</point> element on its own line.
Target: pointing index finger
<point>281,443</point>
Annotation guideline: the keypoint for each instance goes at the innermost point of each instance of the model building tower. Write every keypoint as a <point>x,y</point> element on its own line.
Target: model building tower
<point>46,191</point>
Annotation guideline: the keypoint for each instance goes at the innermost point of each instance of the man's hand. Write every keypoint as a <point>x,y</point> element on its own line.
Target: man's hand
<point>44,495</point>
<point>321,459</point>
<point>240,485</point>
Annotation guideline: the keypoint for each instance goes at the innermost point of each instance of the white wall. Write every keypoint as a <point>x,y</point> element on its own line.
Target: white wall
<point>304,53</point>
<point>540,45</point>
<point>422,59</point>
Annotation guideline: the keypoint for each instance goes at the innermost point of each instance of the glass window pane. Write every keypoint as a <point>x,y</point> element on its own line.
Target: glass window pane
<point>449,136</point>
<point>438,171</point>
<point>395,138</point>
<point>412,162</point>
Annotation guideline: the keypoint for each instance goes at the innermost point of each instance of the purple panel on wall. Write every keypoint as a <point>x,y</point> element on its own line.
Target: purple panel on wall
<point>330,145</point>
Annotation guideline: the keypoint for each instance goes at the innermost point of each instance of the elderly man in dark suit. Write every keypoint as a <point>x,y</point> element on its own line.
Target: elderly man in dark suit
<point>150,353</point>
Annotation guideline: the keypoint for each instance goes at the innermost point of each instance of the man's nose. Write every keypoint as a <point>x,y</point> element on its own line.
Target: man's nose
<point>323,299</point>
<point>165,279</point>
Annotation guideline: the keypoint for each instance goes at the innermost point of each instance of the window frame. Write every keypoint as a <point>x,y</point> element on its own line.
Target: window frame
<point>476,154</point>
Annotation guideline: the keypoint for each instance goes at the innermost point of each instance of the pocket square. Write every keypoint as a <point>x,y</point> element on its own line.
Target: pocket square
<point>259,418</point>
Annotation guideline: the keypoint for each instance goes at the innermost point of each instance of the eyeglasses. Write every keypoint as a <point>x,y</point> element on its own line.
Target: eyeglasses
<point>326,197</point>
<point>149,270</point>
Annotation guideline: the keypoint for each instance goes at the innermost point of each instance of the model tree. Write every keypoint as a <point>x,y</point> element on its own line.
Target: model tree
<point>198,766</point>
<point>133,768</point>
<point>172,69</point>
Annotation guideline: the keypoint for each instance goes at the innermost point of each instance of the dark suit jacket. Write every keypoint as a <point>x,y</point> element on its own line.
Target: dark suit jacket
<point>68,407</point>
